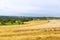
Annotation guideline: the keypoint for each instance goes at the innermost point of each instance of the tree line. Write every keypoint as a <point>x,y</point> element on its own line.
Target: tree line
<point>11,20</point>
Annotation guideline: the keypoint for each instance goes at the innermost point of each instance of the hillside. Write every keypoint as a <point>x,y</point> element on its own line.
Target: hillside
<point>46,31</point>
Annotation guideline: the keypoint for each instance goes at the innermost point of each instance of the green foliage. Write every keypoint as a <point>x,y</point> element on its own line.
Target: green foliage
<point>3,23</point>
<point>11,20</point>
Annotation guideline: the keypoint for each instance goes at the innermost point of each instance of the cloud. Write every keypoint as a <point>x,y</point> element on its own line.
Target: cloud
<point>29,7</point>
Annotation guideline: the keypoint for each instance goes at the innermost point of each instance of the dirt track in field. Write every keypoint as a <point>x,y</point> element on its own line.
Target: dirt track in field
<point>50,24</point>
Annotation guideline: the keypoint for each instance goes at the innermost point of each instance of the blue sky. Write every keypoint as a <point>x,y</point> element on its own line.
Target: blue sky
<point>30,8</point>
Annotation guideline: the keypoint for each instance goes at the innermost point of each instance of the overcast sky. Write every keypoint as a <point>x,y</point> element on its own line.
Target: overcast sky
<point>30,7</point>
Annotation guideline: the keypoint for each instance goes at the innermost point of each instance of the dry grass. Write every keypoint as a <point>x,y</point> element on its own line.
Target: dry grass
<point>8,33</point>
<point>27,24</point>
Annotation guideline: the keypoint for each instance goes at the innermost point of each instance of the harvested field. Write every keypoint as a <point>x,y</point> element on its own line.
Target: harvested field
<point>38,32</point>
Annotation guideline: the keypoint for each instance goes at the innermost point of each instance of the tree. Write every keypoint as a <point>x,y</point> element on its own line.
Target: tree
<point>3,23</point>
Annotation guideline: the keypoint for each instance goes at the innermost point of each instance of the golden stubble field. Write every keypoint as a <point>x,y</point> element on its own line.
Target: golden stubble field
<point>14,33</point>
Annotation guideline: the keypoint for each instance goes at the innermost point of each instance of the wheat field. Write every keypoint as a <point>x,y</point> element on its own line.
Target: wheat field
<point>14,32</point>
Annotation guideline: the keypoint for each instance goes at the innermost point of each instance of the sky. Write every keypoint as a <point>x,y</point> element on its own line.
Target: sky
<point>37,8</point>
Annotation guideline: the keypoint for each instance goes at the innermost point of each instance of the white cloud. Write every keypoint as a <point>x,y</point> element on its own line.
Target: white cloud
<point>29,7</point>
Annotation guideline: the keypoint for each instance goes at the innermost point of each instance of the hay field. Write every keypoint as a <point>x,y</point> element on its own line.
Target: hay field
<point>33,30</point>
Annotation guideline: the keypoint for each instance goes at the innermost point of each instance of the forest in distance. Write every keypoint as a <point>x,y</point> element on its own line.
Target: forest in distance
<point>17,20</point>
